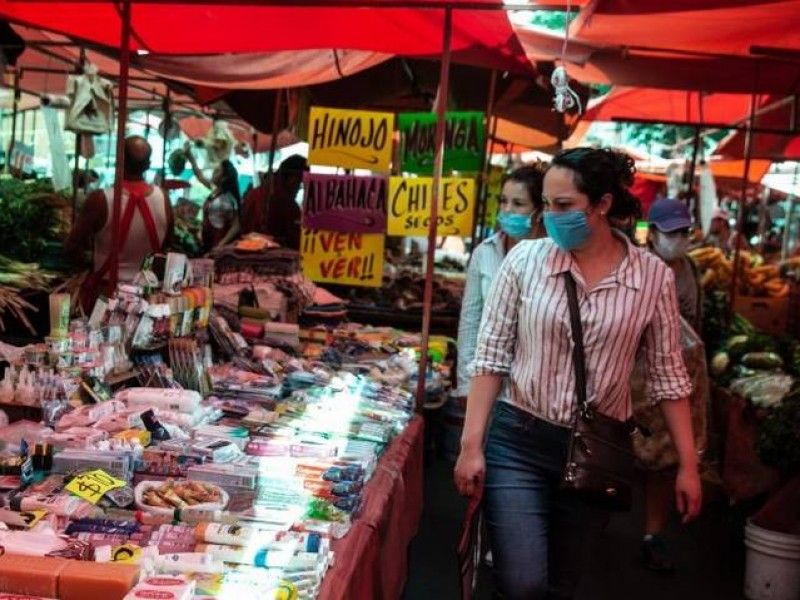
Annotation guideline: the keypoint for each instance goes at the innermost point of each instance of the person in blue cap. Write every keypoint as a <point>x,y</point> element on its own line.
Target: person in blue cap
<point>670,236</point>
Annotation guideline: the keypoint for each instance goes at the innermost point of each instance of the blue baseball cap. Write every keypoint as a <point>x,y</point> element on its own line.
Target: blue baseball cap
<point>668,215</point>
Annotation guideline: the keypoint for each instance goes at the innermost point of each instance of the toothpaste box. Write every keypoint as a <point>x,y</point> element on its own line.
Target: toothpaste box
<point>171,587</point>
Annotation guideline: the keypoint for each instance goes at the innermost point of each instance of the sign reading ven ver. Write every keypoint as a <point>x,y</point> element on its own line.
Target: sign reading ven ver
<point>353,139</point>
<point>345,203</point>
<point>345,258</point>
<point>464,142</point>
<point>410,206</point>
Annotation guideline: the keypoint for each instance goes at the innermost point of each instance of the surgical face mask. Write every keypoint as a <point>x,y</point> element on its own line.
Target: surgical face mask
<point>569,230</point>
<point>670,247</point>
<point>514,225</point>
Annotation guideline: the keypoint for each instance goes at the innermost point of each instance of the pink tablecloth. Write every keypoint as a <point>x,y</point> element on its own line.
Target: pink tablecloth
<point>372,560</point>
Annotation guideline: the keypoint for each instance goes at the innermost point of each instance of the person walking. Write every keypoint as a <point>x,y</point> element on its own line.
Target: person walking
<point>670,227</point>
<point>541,535</point>
<point>520,218</point>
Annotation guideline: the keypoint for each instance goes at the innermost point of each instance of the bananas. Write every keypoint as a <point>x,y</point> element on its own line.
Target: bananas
<point>755,277</point>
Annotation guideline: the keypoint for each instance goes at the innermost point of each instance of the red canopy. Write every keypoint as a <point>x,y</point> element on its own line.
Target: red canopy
<point>670,106</point>
<point>769,146</point>
<point>479,37</point>
<point>717,26</point>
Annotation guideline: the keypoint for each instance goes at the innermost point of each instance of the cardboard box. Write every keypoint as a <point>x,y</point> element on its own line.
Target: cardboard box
<point>770,315</point>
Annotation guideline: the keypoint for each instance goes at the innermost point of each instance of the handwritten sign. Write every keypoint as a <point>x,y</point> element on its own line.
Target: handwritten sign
<point>410,206</point>
<point>464,142</point>
<point>344,258</point>
<point>494,189</point>
<point>345,203</point>
<point>93,485</point>
<point>21,157</point>
<point>353,139</point>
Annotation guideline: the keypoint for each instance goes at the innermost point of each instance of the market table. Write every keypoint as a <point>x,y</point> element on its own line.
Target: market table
<point>744,476</point>
<point>372,560</point>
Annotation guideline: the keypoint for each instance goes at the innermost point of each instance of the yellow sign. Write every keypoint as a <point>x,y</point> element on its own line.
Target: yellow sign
<point>32,517</point>
<point>494,189</point>
<point>344,258</point>
<point>410,206</point>
<point>353,139</point>
<point>93,485</point>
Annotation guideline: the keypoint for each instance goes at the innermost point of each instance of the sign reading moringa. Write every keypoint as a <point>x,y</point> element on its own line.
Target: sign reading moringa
<point>344,258</point>
<point>353,139</point>
<point>410,206</point>
<point>464,142</point>
<point>345,203</point>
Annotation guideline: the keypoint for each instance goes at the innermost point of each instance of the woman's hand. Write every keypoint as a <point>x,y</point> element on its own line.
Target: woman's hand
<point>469,471</point>
<point>688,493</point>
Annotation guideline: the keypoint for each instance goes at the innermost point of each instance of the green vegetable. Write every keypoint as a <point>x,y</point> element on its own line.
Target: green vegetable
<point>27,218</point>
<point>720,363</point>
<point>737,346</point>
<point>762,360</point>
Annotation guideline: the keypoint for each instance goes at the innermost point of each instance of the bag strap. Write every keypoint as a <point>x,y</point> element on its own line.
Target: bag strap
<point>578,355</point>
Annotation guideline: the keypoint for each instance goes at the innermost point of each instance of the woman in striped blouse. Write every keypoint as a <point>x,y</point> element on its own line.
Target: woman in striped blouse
<point>520,218</point>
<point>541,535</point>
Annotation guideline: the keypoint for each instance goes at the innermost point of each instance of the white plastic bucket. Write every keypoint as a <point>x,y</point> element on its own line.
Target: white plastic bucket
<point>772,571</point>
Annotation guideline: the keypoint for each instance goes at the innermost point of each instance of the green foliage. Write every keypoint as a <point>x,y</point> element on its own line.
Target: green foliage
<point>554,20</point>
<point>27,220</point>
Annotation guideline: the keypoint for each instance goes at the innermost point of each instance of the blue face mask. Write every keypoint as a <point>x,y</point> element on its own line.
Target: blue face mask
<point>515,225</point>
<point>569,230</point>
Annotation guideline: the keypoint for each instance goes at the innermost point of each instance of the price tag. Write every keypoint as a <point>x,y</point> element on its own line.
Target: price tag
<point>92,485</point>
<point>32,517</point>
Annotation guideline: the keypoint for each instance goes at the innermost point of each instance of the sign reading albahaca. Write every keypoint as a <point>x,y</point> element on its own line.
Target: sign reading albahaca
<point>464,142</point>
<point>344,258</point>
<point>347,203</point>
<point>352,139</point>
<point>410,201</point>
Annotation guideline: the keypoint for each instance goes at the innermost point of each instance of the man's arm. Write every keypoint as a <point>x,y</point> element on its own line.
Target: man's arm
<point>91,220</point>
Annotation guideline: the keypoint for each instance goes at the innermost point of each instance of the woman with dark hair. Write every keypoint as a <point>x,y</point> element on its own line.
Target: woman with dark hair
<point>541,534</point>
<point>520,217</point>
<point>221,222</point>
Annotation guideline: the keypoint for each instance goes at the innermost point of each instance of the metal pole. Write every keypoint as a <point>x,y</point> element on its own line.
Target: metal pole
<point>692,169</point>
<point>273,148</point>
<point>75,169</point>
<point>14,111</point>
<point>167,121</point>
<point>122,115</point>
<point>748,151</point>
<point>438,167</point>
<point>480,205</point>
<point>787,226</point>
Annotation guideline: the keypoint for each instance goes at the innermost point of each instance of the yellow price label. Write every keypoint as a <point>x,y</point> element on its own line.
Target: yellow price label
<point>32,517</point>
<point>93,485</point>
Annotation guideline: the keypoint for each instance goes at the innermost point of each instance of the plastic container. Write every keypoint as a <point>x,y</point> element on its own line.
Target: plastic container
<point>143,486</point>
<point>772,570</point>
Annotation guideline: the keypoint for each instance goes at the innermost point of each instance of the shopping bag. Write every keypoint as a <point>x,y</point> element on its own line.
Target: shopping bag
<point>469,547</point>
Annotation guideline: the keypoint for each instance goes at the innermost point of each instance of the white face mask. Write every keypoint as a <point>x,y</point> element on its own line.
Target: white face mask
<point>670,246</point>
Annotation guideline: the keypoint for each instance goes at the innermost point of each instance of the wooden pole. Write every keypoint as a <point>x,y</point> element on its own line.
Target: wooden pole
<point>122,115</point>
<point>480,205</point>
<point>438,168</point>
<point>484,206</point>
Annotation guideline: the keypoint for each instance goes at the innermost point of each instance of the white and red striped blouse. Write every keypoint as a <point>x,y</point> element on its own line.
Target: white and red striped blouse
<point>525,332</point>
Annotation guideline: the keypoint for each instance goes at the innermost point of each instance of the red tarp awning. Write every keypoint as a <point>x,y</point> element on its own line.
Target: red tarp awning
<point>716,26</point>
<point>768,146</point>
<point>670,105</point>
<point>479,37</point>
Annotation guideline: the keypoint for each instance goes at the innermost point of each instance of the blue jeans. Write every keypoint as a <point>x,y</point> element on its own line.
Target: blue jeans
<point>540,535</point>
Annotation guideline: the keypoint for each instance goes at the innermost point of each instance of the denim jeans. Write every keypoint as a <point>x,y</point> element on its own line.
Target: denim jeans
<point>540,535</point>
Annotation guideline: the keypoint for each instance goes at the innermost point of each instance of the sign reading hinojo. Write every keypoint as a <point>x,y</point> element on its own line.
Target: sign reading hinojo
<point>344,258</point>
<point>345,203</point>
<point>353,139</point>
<point>464,142</point>
<point>410,206</point>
